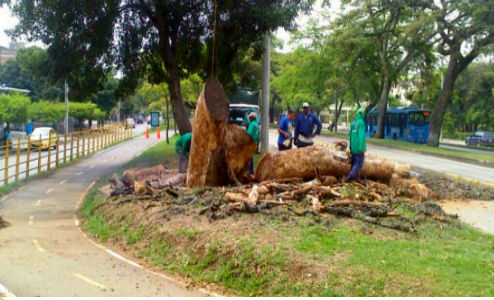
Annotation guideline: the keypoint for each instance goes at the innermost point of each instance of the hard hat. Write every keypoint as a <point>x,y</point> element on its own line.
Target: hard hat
<point>306,104</point>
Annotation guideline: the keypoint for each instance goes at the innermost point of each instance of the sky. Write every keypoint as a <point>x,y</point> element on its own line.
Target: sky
<point>7,21</point>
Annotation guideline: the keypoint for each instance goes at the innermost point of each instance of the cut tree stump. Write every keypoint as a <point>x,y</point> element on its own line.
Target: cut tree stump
<point>307,162</point>
<point>207,165</point>
<point>219,153</point>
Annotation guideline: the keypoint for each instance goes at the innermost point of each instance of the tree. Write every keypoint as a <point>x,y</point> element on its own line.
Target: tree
<point>29,70</point>
<point>45,111</point>
<point>403,32</point>
<point>14,108</point>
<point>85,111</point>
<point>465,30</point>
<point>169,39</point>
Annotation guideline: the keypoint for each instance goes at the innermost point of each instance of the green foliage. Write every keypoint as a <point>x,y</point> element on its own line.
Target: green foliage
<point>85,111</point>
<point>30,70</point>
<point>14,108</point>
<point>45,111</point>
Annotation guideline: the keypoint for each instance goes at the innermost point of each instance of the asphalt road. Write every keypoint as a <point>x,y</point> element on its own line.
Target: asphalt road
<point>467,149</point>
<point>43,253</point>
<point>448,166</point>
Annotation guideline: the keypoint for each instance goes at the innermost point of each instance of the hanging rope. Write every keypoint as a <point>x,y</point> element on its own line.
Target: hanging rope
<point>214,39</point>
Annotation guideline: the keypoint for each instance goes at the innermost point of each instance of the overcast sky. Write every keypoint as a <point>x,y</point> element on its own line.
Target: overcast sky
<point>7,21</point>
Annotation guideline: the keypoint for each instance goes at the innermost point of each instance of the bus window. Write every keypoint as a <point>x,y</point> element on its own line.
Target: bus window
<point>418,118</point>
<point>403,124</point>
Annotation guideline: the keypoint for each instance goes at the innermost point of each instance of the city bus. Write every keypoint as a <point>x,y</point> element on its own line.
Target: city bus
<point>409,124</point>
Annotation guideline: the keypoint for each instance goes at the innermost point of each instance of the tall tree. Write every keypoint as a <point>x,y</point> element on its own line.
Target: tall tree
<point>90,36</point>
<point>403,32</point>
<point>466,31</point>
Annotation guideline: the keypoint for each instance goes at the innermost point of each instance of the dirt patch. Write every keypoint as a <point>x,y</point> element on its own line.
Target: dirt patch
<point>3,223</point>
<point>448,188</point>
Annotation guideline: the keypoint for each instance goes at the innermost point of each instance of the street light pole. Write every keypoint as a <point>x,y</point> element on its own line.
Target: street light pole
<point>66,120</point>
<point>265,95</point>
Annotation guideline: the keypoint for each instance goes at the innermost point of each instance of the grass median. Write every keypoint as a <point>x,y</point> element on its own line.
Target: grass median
<point>281,255</point>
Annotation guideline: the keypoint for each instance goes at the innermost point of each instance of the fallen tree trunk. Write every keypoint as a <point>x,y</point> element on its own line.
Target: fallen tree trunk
<point>207,165</point>
<point>239,148</point>
<point>306,162</point>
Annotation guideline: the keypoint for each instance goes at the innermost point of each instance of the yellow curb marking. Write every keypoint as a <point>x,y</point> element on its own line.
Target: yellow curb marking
<point>63,181</point>
<point>49,191</point>
<point>38,203</point>
<point>90,281</point>
<point>30,222</point>
<point>38,246</point>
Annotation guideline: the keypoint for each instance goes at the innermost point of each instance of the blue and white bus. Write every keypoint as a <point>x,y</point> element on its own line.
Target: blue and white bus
<point>410,124</point>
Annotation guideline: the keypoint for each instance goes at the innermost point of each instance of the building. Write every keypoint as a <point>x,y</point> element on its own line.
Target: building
<point>10,52</point>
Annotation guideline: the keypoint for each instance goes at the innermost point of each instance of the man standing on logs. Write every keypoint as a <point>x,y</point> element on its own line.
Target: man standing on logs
<point>304,127</point>
<point>357,145</point>
<point>253,132</point>
<point>285,131</point>
<point>182,148</point>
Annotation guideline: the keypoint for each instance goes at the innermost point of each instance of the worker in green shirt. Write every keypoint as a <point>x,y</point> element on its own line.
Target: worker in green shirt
<point>357,145</point>
<point>253,131</point>
<point>182,147</point>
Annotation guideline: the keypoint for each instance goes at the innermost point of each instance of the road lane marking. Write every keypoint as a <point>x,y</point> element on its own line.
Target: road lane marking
<point>30,222</point>
<point>78,173</point>
<point>49,191</point>
<point>21,188</point>
<point>91,167</point>
<point>88,280</point>
<point>83,195</point>
<point>38,246</point>
<point>104,160</point>
<point>5,292</point>
<point>38,203</point>
<point>123,258</point>
<point>63,181</point>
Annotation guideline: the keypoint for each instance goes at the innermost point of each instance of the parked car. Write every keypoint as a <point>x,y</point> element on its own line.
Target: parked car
<point>130,123</point>
<point>238,114</point>
<point>44,133</point>
<point>140,119</point>
<point>480,138</point>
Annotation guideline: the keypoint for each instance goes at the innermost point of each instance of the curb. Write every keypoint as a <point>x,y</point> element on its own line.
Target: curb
<point>444,174</point>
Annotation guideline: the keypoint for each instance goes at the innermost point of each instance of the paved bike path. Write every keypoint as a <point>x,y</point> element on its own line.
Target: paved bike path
<point>43,253</point>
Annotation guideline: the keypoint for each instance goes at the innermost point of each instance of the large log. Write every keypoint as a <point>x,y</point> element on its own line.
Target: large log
<point>207,165</point>
<point>303,162</point>
<point>239,148</point>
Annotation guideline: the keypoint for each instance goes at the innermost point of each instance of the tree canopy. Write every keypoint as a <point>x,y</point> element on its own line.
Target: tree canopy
<point>166,40</point>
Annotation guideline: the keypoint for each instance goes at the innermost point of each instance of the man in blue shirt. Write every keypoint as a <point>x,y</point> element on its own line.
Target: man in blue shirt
<point>285,131</point>
<point>304,127</point>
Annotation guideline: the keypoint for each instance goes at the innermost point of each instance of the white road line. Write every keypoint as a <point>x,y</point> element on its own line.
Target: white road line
<point>30,222</point>
<point>38,246</point>
<point>78,173</point>
<point>90,281</point>
<point>4,292</point>
<point>78,204</point>
<point>63,181</point>
<point>38,203</point>
<point>49,191</point>
<point>91,167</point>
<point>21,188</point>
<point>104,160</point>
<point>123,258</point>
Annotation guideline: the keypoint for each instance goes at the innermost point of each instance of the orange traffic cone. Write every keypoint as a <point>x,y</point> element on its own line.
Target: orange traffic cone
<point>158,133</point>
<point>147,132</point>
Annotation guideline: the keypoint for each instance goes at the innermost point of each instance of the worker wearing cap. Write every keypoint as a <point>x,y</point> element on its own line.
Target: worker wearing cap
<point>304,127</point>
<point>253,132</point>
<point>182,148</point>
<point>357,145</point>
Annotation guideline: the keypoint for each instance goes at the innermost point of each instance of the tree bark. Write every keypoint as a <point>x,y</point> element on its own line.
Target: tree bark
<point>308,161</point>
<point>207,165</point>
<point>457,63</point>
<point>383,105</point>
<point>167,120</point>
<point>337,113</point>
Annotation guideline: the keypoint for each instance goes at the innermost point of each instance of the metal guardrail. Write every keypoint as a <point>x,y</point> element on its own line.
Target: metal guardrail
<point>30,155</point>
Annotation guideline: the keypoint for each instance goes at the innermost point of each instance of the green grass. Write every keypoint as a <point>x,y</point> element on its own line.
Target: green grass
<point>350,258</point>
<point>419,147</point>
